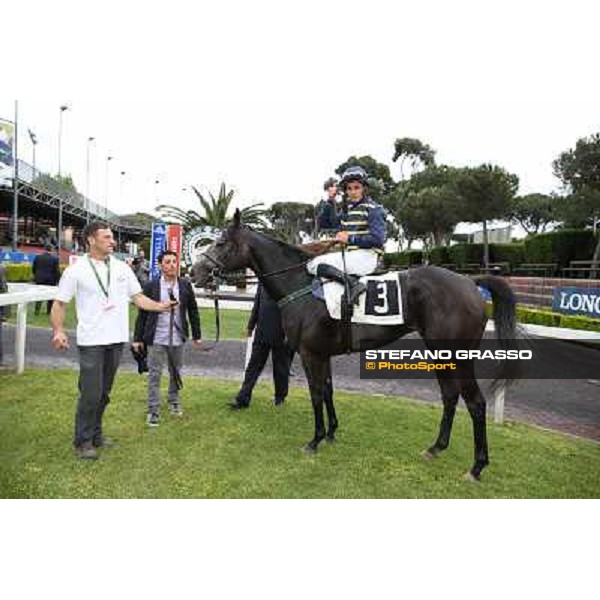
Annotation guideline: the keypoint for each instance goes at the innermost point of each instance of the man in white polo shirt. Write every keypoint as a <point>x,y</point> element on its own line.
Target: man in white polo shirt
<point>102,287</point>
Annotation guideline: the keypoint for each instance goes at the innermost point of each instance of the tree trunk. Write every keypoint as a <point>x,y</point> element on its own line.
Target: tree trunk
<point>486,247</point>
<point>596,256</point>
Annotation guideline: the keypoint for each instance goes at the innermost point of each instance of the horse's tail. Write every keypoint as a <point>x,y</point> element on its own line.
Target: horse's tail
<point>504,315</point>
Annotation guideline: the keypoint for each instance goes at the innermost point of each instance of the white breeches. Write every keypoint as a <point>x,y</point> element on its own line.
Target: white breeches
<point>358,262</point>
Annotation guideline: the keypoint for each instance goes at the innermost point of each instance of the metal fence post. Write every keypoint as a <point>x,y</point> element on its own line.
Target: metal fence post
<point>20,337</point>
<point>499,395</point>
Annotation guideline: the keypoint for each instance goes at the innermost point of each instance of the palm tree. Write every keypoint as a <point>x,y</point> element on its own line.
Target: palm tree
<point>214,212</point>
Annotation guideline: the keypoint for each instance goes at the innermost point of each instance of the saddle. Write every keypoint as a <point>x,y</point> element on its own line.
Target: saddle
<point>379,302</point>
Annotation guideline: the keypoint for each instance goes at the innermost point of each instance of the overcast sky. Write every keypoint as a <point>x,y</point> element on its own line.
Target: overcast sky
<point>271,96</point>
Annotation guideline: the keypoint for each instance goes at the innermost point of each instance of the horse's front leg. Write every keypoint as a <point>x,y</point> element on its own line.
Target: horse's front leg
<point>316,373</point>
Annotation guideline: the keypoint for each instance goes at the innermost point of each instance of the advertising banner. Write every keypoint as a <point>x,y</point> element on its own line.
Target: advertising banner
<point>577,301</point>
<point>7,144</point>
<point>174,242</point>
<point>157,246</point>
<point>16,257</point>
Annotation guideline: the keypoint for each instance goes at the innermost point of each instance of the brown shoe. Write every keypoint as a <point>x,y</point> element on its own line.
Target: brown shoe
<point>104,442</point>
<point>87,451</point>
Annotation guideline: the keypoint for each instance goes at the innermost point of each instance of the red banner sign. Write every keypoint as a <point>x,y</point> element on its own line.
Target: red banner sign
<point>174,242</point>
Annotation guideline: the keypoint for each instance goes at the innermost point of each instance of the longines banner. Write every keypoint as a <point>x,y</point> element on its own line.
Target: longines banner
<point>577,301</point>
<point>157,247</point>
<point>7,143</point>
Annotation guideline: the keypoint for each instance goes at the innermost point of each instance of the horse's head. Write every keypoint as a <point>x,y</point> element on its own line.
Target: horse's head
<point>229,253</point>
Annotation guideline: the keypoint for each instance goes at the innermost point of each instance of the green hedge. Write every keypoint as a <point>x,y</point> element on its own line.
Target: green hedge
<point>403,259</point>
<point>553,319</point>
<point>18,272</point>
<point>22,272</point>
<point>459,254</point>
<point>560,247</point>
<point>534,316</point>
<point>547,318</point>
<point>463,254</point>
<point>439,255</point>
<point>510,253</point>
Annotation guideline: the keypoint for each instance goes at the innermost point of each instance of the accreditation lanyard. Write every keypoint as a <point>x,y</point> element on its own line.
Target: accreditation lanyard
<point>106,289</point>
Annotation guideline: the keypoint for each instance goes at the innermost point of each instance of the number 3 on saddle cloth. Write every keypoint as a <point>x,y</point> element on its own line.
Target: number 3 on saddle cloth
<point>381,304</point>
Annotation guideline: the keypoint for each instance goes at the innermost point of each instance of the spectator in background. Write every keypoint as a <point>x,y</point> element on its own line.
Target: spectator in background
<point>268,338</point>
<point>141,268</point>
<point>327,213</point>
<point>46,271</point>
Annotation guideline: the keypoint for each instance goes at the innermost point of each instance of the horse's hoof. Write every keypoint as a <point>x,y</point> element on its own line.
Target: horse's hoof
<point>331,439</point>
<point>308,449</point>
<point>428,455</point>
<point>468,476</point>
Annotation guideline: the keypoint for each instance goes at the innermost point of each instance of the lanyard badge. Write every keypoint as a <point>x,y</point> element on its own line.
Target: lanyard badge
<point>107,304</point>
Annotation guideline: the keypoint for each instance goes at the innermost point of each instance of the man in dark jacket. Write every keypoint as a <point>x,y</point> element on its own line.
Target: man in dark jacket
<point>164,334</point>
<point>327,213</point>
<point>46,271</point>
<point>268,338</point>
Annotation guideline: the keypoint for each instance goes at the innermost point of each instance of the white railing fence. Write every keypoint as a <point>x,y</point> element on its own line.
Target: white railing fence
<point>22,294</point>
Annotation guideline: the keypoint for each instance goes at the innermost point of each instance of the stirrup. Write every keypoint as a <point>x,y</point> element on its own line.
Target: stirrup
<point>356,289</point>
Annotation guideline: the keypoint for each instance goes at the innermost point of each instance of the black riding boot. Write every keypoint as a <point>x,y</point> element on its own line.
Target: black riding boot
<point>331,272</point>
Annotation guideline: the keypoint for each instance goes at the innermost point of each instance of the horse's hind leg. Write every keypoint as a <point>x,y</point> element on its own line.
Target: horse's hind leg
<point>476,405</point>
<point>328,398</point>
<point>316,372</point>
<point>450,393</point>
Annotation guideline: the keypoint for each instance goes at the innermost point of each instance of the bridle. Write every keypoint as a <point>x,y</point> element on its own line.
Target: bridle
<point>221,268</point>
<point>217,274</point>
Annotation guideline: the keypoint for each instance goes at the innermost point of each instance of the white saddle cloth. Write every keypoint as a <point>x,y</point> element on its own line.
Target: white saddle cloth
<point>381,304</point>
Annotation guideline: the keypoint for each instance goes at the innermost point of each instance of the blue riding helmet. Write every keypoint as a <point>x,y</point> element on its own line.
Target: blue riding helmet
<point>354,174</point>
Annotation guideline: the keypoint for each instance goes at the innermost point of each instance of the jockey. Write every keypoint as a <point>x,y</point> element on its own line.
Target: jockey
<point>363,230</point>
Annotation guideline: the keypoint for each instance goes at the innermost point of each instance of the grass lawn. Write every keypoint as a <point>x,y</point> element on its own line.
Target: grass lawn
<point>233,322</point>
<point>216,453</point>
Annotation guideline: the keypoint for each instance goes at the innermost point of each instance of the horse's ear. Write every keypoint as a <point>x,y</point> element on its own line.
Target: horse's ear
<point>237,218</point>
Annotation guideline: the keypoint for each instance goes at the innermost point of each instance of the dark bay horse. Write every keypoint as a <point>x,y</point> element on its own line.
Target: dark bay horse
<point>439,305</point>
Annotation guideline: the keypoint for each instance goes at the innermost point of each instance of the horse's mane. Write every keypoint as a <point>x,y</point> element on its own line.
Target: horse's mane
<point>289,249</point>
<point>301,252</point>
<point>316,248</point>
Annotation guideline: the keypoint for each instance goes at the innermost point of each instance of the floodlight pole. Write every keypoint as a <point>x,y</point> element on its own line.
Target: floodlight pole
<point>60,120</point>
<point>87,180</point>
<point>16,182</point>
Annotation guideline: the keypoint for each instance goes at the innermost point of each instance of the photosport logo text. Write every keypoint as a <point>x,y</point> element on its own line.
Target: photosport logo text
<point>443,360</point>
<point>535,358</point>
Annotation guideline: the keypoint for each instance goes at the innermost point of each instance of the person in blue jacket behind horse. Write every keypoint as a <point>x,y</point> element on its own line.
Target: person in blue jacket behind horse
<point>327,213</point>
<point>362,229</point>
